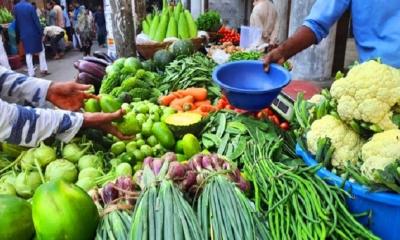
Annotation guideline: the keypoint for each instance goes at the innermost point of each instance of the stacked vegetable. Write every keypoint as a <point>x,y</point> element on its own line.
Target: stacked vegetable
<point>92,70</point>
<point>171,22</point>
<point>5,16</point>
<point>229,35</point>
<point>354,126</point>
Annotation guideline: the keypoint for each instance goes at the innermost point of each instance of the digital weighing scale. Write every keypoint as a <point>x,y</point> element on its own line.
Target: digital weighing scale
<point>283,104</point>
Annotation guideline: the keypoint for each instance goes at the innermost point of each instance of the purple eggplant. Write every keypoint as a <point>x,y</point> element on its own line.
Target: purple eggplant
<point>92,68</point>
<point>97,61</point>
<point>103,56</point>
<point>76,65</point>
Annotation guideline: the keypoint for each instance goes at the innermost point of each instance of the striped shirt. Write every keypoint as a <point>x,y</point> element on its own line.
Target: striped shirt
<point>23,121</point>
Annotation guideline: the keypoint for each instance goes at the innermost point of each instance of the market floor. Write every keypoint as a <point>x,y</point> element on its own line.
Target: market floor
<point>63,70</point>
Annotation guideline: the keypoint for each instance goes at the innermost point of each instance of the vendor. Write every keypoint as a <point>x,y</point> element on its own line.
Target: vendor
<point>265,17</point>
<point>376,27</point>
<point>3,54</point>
<point>28,126</point>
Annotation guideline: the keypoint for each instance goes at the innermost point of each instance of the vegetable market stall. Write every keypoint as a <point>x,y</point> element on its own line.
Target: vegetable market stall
<point>197,168</point>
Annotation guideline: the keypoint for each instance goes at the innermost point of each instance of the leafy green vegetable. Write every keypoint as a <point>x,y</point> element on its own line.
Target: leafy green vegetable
<point>238,56</point>
<point>209,21</point>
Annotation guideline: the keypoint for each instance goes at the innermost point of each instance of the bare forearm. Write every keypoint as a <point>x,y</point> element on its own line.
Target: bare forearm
<point>300,40</point>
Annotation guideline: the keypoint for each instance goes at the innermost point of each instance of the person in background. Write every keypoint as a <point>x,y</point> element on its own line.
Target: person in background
<point>85,29</point>
<point>31,124</point>
<point>59,13</point>
<point>3,54</point>
<point>51,15</point>
<point>376,27</point>
<point>264,17</point>
<point>100,21</point>
<point>56,37</point>
<point>68,26</point>
<point>75,13</point>
<point>30,32</point>
<point>38,12</point>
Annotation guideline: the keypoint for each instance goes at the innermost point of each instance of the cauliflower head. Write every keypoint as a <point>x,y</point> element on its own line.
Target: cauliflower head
<point>380,151</point>
<point>316,99</point>
<point>368,93</point>
<point>346,142</point>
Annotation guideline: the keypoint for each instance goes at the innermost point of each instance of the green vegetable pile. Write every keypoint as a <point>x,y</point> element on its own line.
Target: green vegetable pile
<point>238,56</point>
<point>171,22</point>
<point>5,16</point>
<point>188,72</point>
<point>209,21</point>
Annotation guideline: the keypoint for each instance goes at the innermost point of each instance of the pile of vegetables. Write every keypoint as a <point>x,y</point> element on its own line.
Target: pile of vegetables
<point>179,49</point>
<point>5,16</point>
<point>209,21</point>
<point>189,100</point>
<point>353,128</point>
<point>171,22</point>
<point>229,35</point>
<point>239,56</point>
<point>193,71</point>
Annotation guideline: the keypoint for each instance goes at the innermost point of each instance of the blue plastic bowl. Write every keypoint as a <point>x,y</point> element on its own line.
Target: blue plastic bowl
<point>385,207</point>
<point>247,86</point>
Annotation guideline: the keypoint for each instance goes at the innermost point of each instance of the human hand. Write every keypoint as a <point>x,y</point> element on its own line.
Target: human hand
<point>102,121</point>
<point>274,56</point>
<point>68,95</point>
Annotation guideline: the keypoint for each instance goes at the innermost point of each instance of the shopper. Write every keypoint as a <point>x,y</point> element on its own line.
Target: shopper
<point>3,54</point>
<point>265,17</point>
<point>51,15</point>
<point>55,35</point>
<point>376,30</point>
<point>76,38</point>
<point>31,34</point>
<point>67,21</point>
<point>85,29</point>
<point>29,126</point>
<point>59,13</point>
<point>100,21</point>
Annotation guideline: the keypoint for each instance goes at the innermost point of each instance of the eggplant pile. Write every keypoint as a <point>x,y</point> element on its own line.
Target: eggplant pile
<point>92,69</point>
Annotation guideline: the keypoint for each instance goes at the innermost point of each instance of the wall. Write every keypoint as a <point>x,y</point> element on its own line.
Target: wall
<point>232,11</point>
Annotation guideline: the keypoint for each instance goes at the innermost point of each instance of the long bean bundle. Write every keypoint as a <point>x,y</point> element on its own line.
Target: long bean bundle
<point>224,212</point>
<point>297,204</point>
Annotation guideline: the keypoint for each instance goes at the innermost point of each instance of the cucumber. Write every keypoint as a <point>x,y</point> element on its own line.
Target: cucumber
<point>163,134</point>
<point>146,27</point>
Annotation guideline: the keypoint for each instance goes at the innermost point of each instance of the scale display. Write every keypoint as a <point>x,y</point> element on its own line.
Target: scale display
<point>283,105</point>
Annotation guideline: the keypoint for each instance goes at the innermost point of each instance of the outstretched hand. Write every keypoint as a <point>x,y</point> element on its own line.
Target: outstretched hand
<point>102,121</point>
<point>274,56</point>
<point>69,95</point>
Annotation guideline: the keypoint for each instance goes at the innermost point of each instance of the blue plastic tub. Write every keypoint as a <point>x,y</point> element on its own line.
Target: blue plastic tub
<point>385,207</point>
<point>247,86</point>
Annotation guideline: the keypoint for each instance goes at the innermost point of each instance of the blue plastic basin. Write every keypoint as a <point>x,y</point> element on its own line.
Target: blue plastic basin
<point>247,86</point>
<point>385,207</point>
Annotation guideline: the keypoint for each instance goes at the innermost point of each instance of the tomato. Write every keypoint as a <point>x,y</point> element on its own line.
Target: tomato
<point>275,120</point>
<point>284,126</point>
<point>229,107</point>
<point>260,115</point>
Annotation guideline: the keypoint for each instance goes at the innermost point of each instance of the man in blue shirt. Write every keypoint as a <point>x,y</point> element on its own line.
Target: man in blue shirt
<point>376,28</point>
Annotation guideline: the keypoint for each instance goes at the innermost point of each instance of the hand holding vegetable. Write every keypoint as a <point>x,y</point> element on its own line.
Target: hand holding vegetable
<point>68,95</point>
<point>103,121</point>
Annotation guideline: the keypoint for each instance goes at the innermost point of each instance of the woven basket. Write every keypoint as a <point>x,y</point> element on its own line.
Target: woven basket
<point>147,51</point>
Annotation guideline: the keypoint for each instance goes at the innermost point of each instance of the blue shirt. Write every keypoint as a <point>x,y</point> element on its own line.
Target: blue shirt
<point>66,19</point>
<point>376,26</point>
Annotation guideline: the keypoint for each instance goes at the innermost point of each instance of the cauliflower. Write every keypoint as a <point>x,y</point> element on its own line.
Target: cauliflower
<point>368,93</point>
<point>346,142</point>
<point>316,99</point>
<point>382,150</point>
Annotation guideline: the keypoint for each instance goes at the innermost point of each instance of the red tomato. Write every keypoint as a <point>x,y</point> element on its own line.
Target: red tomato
<point>230,107</point>
<point>275,120</point>
<point>284,126</point>
<point>260,115</point>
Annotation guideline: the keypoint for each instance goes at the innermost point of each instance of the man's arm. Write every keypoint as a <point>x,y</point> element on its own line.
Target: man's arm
<point>29,126</point>
<point>18,88</point>
<point>315,27</point>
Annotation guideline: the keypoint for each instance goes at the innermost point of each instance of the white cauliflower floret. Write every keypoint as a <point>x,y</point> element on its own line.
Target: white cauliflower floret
<point>316,99</point>
<point>380,151</point>
<point>368,93</point>
<point>346,142</point>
